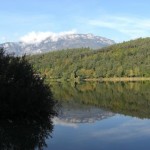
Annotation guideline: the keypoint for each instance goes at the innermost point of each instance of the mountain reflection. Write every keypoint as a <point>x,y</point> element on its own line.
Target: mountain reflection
<point>70,115</point>
<point>128,98</point>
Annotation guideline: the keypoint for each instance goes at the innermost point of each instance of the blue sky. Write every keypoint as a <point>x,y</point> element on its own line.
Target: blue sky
<point>114,19</point>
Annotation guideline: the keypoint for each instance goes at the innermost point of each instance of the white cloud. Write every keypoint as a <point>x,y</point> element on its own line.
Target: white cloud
<point>132,27</point>
<point>36,37</point>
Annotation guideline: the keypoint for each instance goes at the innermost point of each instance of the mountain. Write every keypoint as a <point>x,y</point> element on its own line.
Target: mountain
<point>127,59</point>
<point>62,42</point>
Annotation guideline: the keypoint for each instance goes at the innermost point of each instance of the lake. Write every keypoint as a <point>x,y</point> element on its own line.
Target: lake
<point>91,116</point>
<point>104,116</point>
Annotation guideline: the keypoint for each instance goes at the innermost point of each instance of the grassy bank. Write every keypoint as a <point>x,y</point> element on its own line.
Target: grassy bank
<point>124,79</point>
<point>114,79</point>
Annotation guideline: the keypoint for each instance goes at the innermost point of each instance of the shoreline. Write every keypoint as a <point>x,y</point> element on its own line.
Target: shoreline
<point>113,79</point>
<point>118,79</point>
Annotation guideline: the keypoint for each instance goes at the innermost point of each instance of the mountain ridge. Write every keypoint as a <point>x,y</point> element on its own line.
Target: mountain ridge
<point>53,43</point>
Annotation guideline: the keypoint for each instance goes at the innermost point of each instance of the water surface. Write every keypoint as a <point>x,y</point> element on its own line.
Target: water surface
<point>91,116</point>
<point>102,116</point>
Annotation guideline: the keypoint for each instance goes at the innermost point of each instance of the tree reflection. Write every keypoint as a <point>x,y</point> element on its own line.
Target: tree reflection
<point>128,98</point>
<point>24,134</point>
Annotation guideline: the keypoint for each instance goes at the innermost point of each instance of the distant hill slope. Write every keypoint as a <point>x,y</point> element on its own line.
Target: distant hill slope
<point>59,43</point>
<point>127,59</point>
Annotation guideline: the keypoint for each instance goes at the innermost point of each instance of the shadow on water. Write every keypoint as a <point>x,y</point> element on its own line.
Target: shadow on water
<point>26,106</point>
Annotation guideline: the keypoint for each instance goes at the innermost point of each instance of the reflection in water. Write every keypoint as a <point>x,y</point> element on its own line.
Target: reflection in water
<point>81,115</point>
<point>130,98</point>
<point>89,108</point>
<point>86,122</point>
<point>26,112</point>
<point>25,134</point>
<point>26,130</point>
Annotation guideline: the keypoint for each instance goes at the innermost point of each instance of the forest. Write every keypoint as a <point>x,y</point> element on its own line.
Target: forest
<point>127,59</point>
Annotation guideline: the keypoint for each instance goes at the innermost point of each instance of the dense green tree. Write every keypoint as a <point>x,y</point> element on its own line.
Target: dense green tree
<point>22,91</point>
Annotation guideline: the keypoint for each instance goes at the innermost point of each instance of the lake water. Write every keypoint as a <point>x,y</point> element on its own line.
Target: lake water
<point>91,116</point>
<point>101,116</point>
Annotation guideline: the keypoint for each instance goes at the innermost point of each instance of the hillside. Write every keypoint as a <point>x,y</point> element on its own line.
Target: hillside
<point>54,43</point>
<point>127,59</point>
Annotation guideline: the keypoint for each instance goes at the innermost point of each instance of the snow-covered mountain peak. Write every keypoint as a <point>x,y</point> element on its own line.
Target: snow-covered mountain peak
<point>51,42</point>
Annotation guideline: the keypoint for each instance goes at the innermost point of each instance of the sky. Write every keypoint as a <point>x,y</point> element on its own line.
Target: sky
<point>24,20</point>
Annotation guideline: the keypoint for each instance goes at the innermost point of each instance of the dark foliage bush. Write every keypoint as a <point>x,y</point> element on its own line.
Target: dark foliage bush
<point>26,105</point>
